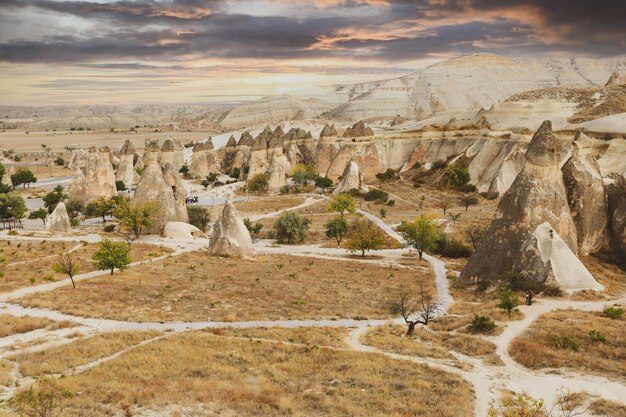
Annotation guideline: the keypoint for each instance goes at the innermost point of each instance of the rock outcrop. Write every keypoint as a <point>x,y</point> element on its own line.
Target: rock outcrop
<point>97,180</point>
<point>535,206</point>
<point>153,188</point>
<point>182,231</point>
<point>586,196</point>
<point>58,220</point>
<point>352,179</point>
<point>126,167</point>
<point>173,179</point>
<point>616,201</point>
<point>230,236</point>
<point>204,160</point>
<point>172,151</point>
<point>358,130</point>
<point>328,131</point>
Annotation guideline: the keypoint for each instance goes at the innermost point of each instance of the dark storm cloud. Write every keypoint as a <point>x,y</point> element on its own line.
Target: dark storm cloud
<point>177,31</point>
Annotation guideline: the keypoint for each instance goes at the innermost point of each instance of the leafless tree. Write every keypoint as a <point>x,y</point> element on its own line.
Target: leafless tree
<point>474,234</point>
<point>445,204</point>
<point>67,265</point>
<point>454,217</point>
<point>422,307</point>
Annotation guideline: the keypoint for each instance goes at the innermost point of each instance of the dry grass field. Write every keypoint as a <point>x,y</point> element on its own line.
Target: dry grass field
<point>312,336</point>
<point>267,205</point>
<point>579,341</point>
<point>59,359</point>
<point>34,268</point>
<point>605,408</point>
<point>427,343</point>
<point>195,286</point>
<point>252,378</point>
<point>10,325</point>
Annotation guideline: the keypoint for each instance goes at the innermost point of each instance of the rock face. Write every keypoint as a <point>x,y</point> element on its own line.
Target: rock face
<point>204,160</point>
<point>351,179</point>
<point>586,197</point>
<point>173,179</point>
<point>328,130</point>
<point>153,187</point>
<point>58,220</point>
<point>182,231</point>
<point>358,130</point>
<point>97,180</point>
<point>172,151</point>
<point>126,169</point>
<point>515,241</point>
<point>616,199</point>
<point>230,236</point>
<point>277,172</point>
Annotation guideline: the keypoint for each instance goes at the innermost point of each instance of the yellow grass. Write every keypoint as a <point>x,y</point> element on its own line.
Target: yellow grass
<point>5,373</point>
<point>38,269</point>
<point>61,358</point>
<point>10,325</point>
<point>606,408</point>
<point>267,204</point>
<point>195,286</point>
<point>265,379</point>
<point>314,336</point>
<point>427,343</point>
<point>534,350</point>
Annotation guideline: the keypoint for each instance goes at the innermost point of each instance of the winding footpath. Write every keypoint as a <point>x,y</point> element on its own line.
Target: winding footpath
<point>487,380</point>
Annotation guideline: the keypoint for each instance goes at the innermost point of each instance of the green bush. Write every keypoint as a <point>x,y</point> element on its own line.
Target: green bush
<point>563,342</point>
<point>439,165</point>
<point>234,173</point>
<point>291,227</point>
<point>597,336</point>
<point>109,228</point>
<point>481,324</point>
<point>452,248</point>
<point>387,175</point>
<point>120,186</point>
<point>457,177</point>
<point>376,195</point>
<point>614,313</point>
<point>59,161</point>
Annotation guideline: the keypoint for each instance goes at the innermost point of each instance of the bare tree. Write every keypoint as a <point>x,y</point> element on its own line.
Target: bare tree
<point>474,234</point>
<point>445,204</point>
<point>422,307</point>
<point>454,217</point>
<point>67,265</point>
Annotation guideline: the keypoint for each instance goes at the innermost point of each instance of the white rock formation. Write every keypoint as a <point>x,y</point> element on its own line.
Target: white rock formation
<point>230,236</point>
<point>182,231</point>
<point>58,220</point>
<point>97,180</point>
<point>565,268</point>
<point>277,172</point>
<point>126,169</point>
<point>351,179</point>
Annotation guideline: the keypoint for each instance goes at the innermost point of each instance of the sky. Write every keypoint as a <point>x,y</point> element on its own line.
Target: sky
<point>187,51</point>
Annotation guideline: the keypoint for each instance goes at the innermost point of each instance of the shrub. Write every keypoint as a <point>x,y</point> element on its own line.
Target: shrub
<point>467,188</point>
<point>597,336</point>
<point>120,186</point>
<point>59,161</point>
<point>291,227</point>
<point>285,189</point>
<point>457,176</point>
<point>452,248</point>
<point>439,165</point>
<point>508,300</point>
<point>563,342</point>
<point>519,282</point>
<point>481,324</point>
<point>258,184</point>
<point>234,173</point>
<point>614,313</point>
<point>387,175</point>
<point>551,290</point>
<point>391,203</point>
<point>109,228</point>
<point>376,195</point>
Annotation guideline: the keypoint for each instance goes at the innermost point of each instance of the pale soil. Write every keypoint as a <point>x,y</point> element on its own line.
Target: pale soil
<point>195,286</point>
<point>534,350</point>
<point>262,378</point>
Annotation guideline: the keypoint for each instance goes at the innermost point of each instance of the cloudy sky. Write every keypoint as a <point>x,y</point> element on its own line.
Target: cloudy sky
<point>122,51</point>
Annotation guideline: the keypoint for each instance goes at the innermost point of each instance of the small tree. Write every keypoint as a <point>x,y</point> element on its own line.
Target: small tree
<point>383,212</point>
<point>67,265</point>
<point>323,182</point>
<point>445,204</point>
<point>135,217</point>
<point>291,227</point>
<point>456,176</point>
<point>43,399</point>
<point>41,214</point>
<point>184,170</point>
<point>120,186</point>
<point>199,217</point>
<point>302,174</point>
<point>421,234</point>
<point>468,200</point>
<point>23,177</point>
<point>258,184</point>
<point>454,217</point>
<point>212,177</point>
<point>54,197</point>
<point>408,306</point>
<point>508,300</point>
<point>12,206</point>
<point>474,234</point>
<point>336,228</point>
<point>205,183</point>
<point>364,236</point>
<point>342,203</point>
<point>111,255</point>
<point>253,229</point>
<point>101,207</point>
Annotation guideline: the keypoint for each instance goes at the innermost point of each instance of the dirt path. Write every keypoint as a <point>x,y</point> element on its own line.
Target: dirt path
<point>488,380</point>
